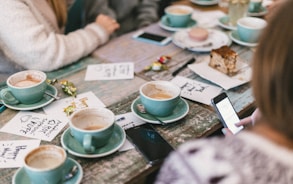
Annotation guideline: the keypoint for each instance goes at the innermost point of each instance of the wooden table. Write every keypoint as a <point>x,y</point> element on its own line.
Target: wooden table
<point>130,166</point>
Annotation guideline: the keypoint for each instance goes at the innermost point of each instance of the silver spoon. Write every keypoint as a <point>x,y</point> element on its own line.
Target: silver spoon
<point>71,173</point>
<point>55,97</point>
<point>142,109</point>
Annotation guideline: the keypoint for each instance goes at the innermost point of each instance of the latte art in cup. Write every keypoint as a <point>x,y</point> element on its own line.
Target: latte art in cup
<point>29,80</point>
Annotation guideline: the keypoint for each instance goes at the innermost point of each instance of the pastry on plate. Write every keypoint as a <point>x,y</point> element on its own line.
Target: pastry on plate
<point>224,60</point>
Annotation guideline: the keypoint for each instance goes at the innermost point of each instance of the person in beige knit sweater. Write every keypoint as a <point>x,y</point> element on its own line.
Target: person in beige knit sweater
<point>32,35</point>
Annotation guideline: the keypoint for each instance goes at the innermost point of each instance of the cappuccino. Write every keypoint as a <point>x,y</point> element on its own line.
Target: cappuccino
<point>179,11</point>
<point>47,160</point>
<point>160,95</point>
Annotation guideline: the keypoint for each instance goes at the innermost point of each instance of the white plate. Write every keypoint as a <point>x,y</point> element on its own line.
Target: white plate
<point>205,2</point>
<point>165,24</point>
<point>215,40</point>
<point>202,68</point>
<point>235,37</point>
<point>224,23</point>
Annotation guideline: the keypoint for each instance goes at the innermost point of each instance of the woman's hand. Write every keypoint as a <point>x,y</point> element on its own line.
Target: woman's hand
<point>255,116</point>
<point>108,23</point>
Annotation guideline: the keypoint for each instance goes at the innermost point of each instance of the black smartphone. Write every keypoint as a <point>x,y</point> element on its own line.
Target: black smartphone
<point>152,38</point>
<point>149,142</point>
<point>226,112</point>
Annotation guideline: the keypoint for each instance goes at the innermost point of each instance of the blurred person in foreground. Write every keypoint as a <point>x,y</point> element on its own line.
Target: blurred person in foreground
<point>32,35</point>
<point>264,153</point>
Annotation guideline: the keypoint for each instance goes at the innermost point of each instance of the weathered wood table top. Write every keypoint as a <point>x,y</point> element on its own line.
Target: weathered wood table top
<point>130,166</point>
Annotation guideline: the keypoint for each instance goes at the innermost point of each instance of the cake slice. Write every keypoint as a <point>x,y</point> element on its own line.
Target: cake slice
<point>224,60</point>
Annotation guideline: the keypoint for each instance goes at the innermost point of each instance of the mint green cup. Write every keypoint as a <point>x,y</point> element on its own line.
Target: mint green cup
<point>178,15</point>
<point>249,29</point>
<point>46,164</point>
<point>92,127</point>
<point>26,87</point>
<point>159,98</point>
<point>255,6</point>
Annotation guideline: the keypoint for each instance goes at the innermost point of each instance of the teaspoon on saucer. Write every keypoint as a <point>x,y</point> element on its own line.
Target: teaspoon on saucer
<point>71,173</point>
<point>142,109</point>
<point>55,97</point>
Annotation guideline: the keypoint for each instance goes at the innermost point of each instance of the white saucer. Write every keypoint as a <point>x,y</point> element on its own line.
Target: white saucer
<point>20,176</point>
<point>262,12</point>
<point>179,112</point>
<point>164,23</point>
<point>205,2</point>
<point>224,23</point>
<point>73,147</point>
<point>235,37</point>
<point>215,40</point>
<point>45,101</point>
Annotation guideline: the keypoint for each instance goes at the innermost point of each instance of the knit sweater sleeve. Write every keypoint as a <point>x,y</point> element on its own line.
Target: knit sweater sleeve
<point>29,36</point>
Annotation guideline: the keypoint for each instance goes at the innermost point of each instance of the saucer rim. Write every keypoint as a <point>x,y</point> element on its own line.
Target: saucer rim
<point>205,3</point>
<point>258,14</point>
<point>80,175</point>
<point>155,121</point>
<point>93,155</point>
<point>221,24</point>
<point>241,42</point>
<point>33,106</point>
<point>170,28</point>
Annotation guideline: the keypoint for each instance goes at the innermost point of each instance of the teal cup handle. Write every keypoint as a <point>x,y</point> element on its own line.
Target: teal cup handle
<point>87,144</point>
<point>8,97</point>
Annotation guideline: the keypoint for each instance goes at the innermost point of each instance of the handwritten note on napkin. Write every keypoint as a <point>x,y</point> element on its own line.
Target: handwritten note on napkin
<point>113,71</point>
<point>13,152</point>
<point>87,99</point>
<point>195,90</point>
<point>35,125</point>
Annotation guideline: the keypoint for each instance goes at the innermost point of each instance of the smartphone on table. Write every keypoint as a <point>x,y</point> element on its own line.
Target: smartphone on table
<point>152,38</point>
<point>149,142</point>
<point>226,112</point>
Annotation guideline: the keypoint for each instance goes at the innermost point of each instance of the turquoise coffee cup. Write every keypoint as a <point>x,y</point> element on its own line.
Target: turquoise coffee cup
<point>178,15</point>
<point>159,98</point>
<point>92,127</point>
<point>250,28</point>
<point>26,87</point>
<point>46,164</point>
<point>255,6</point>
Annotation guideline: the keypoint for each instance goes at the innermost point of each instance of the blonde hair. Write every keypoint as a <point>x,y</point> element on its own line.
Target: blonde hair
<point>60,9</point>
<point>272,79</point>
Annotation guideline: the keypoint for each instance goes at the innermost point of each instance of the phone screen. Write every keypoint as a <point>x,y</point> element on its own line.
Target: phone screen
<point>227,113</point>
<point>149,142</point>
<point>154,37</point>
